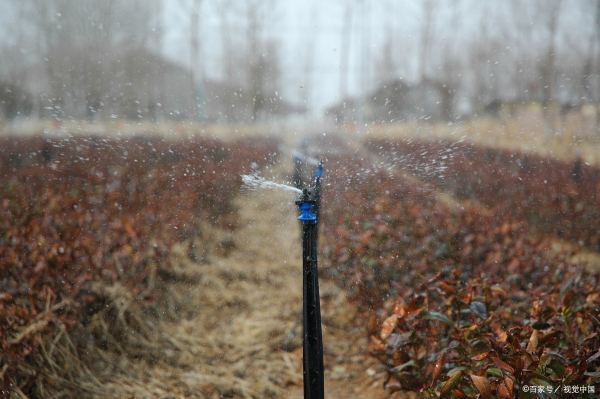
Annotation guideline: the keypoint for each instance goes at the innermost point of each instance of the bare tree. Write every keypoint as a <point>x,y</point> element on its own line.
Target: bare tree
<point>263,58</point>
<point>80,44</point>
<point>451,65</point>
<point>521,40</point>
<point>481,51</point>
<point>346,40</point>
<point>550,10</point>
<point>311,43</point>
<point>193,8</point>
<point>591,74</point>
<point>428,15</point>
<point>596,50</point>
<point>223,12</point>
<point>386,68</point>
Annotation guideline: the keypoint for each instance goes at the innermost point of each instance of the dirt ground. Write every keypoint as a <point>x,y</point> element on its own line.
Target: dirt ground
<point>243,336</point>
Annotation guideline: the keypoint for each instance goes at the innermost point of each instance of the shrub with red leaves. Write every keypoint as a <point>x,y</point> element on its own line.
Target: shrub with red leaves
<point>462,303</point>
<point>556,197</point>
<point>83,210</point>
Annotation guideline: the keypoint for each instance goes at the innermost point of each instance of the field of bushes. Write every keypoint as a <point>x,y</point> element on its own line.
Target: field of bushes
<point>81,216</point>
<point>560,198</point>
<point>468,298</point>
<point>461,258</point>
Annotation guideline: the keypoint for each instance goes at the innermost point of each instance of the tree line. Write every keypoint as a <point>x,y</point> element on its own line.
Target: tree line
<point>106,59</point>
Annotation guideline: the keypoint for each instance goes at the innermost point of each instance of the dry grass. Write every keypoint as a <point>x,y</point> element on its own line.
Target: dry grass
<point>245,310</point>
<point>123,128</point>
<point>77,362</point>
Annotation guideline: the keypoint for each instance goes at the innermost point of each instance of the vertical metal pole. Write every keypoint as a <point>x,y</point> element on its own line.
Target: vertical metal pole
<point>311,320</point>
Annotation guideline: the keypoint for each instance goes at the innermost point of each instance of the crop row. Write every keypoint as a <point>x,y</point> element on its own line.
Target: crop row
<point>556,197</point>
<point>78,212</point>
<point>461,303</point>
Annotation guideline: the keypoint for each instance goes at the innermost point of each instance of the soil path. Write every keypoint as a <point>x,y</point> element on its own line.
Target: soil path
<point>243,338</point>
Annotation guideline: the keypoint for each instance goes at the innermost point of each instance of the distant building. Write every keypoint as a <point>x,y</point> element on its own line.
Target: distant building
<point>147,85</point>
<point>135,84</point>
<point>397,101</point>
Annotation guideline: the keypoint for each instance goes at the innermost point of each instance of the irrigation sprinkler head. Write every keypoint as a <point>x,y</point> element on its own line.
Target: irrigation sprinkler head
<point>304,197</point>
<point>305,205</point>
<point>319,170</point>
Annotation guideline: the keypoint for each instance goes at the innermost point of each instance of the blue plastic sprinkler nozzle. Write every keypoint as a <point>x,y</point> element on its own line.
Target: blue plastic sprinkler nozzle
<point>319,171</point>
<point>306,205</point>
<point>306,215</point>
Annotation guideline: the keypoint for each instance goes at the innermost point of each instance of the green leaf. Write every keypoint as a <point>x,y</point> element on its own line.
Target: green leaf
<point>539,381</point>
<point>479,346</point>
<point>479,309</point>
<point>439,317</point>
<point>455,370</point>
<point>494,372</point>
<point>451,382</point>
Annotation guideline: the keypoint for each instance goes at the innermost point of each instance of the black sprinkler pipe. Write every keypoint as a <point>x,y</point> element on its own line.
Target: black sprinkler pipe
<point>314,380</point>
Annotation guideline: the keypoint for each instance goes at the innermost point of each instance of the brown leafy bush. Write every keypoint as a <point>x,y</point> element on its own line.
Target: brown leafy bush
<point>75,212</point>
<point>556,197</point>
<point>462,303</point>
